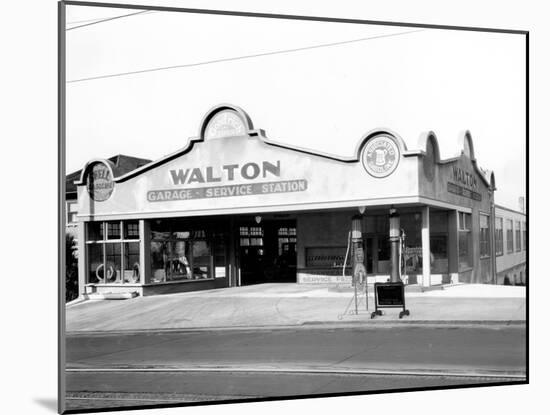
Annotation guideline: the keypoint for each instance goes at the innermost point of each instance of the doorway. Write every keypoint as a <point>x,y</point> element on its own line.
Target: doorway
<point>267,252</point>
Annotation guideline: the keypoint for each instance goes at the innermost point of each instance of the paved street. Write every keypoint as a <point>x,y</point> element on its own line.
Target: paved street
<point>480,349</point>
<point>186,366</point>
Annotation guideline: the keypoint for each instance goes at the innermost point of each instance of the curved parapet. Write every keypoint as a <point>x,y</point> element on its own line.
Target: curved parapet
<point>428,140</point>
<point>465,145</point>
<point>225,120</point>
<point>429,146</point>
<point>379,132</point>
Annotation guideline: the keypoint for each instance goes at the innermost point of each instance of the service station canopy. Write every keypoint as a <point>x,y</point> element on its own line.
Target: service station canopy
<point>233,168</point>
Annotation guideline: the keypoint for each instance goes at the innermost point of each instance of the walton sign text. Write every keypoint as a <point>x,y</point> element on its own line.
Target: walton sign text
<point>226,173</point>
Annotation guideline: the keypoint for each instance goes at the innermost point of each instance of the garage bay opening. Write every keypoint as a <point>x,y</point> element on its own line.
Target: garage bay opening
<point>267,252</point>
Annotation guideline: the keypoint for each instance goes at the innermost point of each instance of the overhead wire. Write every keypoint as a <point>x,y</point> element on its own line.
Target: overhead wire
<point>256,55</point>
<point>85,21</point>
<point>108,19</point>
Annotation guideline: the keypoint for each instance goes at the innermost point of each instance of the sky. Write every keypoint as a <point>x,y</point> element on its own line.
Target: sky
<point>316,85</point>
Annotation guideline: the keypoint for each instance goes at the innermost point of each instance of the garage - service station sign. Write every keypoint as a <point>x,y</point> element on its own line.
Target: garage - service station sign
<point>258,175</point>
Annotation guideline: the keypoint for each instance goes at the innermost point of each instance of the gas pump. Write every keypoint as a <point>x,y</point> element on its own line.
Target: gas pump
<point>358,254</point>
<point>359,271</point>
<point>359,276</point>
<point>395,241</point>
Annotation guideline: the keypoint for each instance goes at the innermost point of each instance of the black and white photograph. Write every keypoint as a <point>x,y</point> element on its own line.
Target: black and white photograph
<point>267,206</point>
<point>292,206</point>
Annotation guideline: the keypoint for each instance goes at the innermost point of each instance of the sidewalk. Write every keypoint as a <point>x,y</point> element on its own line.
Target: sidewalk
<point>279,305</point>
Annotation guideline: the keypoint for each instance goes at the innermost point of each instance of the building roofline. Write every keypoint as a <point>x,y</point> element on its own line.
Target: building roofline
<point>510,210</point>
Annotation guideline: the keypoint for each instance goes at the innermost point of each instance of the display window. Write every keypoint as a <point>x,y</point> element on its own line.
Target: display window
<point>182,253</point>
<point>111,258</point>
<point>411,224</point>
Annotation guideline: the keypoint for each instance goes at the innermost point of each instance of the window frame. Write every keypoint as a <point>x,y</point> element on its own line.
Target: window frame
<point>193,238</point>
<point>509,240</point>
<point>465,219</point>
<point>103,243</point>
<point>484,245</point>
<point>517,244</point>
<point>499,237</point>
<point>69,213</point>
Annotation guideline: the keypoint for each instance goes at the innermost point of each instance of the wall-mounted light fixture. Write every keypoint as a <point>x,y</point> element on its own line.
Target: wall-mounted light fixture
<point>258,219</point>
<point>362,209</point>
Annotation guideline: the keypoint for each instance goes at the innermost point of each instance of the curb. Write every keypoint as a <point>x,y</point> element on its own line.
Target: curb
<point>311,325</point>
<point>510,374</point>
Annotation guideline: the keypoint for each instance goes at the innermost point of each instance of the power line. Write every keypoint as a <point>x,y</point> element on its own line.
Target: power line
<point>100,18</point>
<point>108,19</point>
<point>257,55</point>
<point>85,21</point>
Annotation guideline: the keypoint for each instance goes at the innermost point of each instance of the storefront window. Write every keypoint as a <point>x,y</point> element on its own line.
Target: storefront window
<point>484,236</point>
<point>131,262</point>
<point>499,237</point>
<point>95,231</point>
<point>202,260</point>
<point>131,230</point>
<point>95,263</point>
<point>111,260</point>
<point>158,261</point>
<point>184,254</point>
<point>113,230</point>
<point>411,223</point>
<point>464,241</point>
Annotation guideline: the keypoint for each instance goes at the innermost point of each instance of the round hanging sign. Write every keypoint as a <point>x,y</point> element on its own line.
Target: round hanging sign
<point>380,156</point>
<point>99,182</point>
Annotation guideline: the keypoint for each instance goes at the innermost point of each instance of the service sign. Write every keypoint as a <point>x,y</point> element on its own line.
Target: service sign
<point>463,184</point>
<point>259,178</point>
<point>99,182</point>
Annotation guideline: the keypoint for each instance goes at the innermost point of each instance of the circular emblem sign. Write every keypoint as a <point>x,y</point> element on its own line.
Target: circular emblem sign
<point>99,182</point>
<point>380,156</point>
<point>225,123</point>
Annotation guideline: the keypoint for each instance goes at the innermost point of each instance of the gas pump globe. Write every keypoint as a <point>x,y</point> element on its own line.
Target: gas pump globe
<point>356,228</point>
<point>394,241</point>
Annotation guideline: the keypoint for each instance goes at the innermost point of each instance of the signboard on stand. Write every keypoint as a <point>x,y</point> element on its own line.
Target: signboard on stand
<point>389,295</point>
